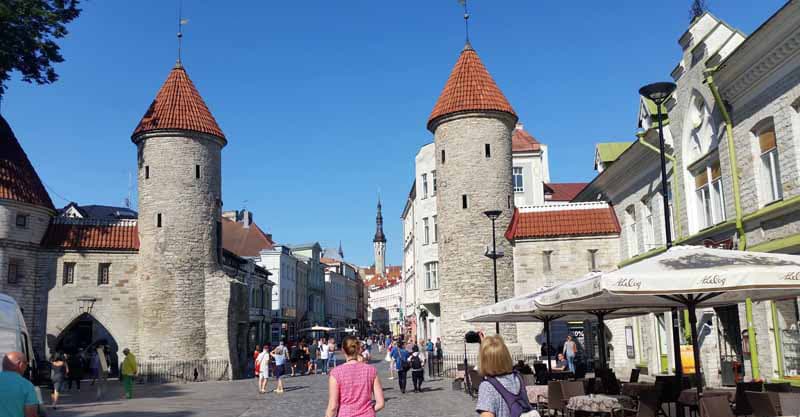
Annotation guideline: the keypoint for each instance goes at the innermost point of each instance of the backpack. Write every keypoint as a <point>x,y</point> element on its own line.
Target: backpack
<point>416,362</point>
<point>518,404</point>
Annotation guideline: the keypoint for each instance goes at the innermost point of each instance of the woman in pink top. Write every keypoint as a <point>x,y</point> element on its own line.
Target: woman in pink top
<point>352,385</point>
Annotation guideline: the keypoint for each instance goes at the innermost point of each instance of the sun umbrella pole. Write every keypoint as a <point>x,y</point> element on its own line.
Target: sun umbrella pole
<point>601,338</point>
<point>692,305</point>
<point>549,346</point>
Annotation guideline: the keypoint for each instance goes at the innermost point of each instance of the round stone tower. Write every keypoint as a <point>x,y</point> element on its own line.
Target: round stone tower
<point>472,124</point>
<point>179,148</point>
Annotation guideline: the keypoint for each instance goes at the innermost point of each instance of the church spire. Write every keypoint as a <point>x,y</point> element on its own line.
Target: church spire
<point>379,236</point>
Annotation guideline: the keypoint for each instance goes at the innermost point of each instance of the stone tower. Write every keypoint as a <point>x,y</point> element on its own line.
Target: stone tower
<point>179,148</point>
<point>379,243</point>
<point>472,124</point>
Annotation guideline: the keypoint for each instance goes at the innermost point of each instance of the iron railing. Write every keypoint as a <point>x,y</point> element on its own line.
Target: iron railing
<point>160,372</point>
<point>448,365</point>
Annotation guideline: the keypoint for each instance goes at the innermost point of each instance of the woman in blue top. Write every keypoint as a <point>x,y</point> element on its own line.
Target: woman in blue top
<point>400,356</point>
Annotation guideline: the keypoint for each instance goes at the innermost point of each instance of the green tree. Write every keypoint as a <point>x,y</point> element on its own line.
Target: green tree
<point>28,33</point>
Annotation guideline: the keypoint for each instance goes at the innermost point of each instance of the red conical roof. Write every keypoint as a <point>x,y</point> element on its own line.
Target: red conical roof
<point>469,88</point>
<point>179,106</point>
<point>18,179</point>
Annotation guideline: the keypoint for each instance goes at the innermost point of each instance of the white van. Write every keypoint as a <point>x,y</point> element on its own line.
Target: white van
<point>14,334</point>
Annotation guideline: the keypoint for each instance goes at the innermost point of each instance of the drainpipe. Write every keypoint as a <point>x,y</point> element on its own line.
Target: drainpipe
<point>751,331</point>
<point>675,198</point>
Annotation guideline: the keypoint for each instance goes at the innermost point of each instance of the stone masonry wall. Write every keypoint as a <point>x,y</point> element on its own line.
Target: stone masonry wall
<point>176,259</point>
<point>465,274</point>
<point>569,260</point>
<point>115,306</point>
<point>21,245</point>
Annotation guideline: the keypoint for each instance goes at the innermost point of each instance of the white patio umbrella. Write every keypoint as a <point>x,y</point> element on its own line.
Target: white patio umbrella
<point>523,308</point>
<point>684,276</point>
<point>318,329</point>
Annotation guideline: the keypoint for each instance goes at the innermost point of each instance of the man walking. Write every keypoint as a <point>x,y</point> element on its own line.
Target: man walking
<point>17,395</point>
<point>400,357</point>
<point>313,350</point>
<point>323,356</point>
<point>570,349</point>
<point>129,370</point>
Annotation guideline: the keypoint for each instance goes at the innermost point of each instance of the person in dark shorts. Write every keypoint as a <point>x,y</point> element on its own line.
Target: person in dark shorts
<point>59,370</point>
<point>294,357</point>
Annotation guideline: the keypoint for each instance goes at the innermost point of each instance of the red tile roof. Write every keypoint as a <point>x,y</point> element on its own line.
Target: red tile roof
<point>469,88</point>
<point>564,191</point>
<point>522,141</point>
<point>18,179</point>
<point>244,241</point>
<point>178,105</point>
<point>123,235</point>
<point>563,222</point>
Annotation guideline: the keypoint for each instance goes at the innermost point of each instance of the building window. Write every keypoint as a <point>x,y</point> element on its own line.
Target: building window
<point>631,238</point>
<point>593,260</point>
<point>158,220</point>
<point>197,171</point>
<point>518,185</point>
<point>546,258</point>
<point>770,168</point>
<point>433,178</point>
<point>709,195</point>
<point>649,229</point>
<point>424,185</point>
<point>103,272</point>
<point>69,273</point>
<point>464,201</point>
<point>22,220</point>
<point>435,230</point>
<point>431,275</point>
<point>147,172</point>
<point>442,156</point>
<point>425,232</point>
<point>14,274</point>
<point>487,149</point>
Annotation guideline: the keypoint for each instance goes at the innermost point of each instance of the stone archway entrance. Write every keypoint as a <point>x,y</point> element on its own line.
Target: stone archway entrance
<point>82,336</point>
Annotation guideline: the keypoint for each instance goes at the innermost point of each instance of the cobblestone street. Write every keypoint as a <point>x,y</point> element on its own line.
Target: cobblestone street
<point>304,396</point>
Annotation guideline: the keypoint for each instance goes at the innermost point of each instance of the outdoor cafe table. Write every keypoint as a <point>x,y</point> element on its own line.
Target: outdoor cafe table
<point>635,389</point>
<point>599,403</point>
<point>535,392</point>
<point>688,397</point>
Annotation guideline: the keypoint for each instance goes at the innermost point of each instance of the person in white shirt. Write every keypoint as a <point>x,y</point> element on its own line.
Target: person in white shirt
<point>323,356</point>
<point>263,364</point>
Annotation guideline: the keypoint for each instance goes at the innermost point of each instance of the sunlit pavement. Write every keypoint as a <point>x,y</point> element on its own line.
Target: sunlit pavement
<point>304,396</point>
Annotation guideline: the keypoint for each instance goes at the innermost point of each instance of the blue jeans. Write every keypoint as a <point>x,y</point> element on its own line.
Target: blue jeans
<point>331,360</point>
<point>571,363</point>
<point>323,365</point>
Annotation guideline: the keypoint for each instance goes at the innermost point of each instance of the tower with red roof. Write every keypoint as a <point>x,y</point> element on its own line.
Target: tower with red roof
<point>472,123</point>
<point>183,293</point>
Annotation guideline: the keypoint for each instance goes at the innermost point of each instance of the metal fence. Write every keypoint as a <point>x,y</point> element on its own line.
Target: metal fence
<point>160,372</point>
<point>447,366</point>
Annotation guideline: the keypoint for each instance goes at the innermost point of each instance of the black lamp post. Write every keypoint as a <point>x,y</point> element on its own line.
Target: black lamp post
<point>659,93</point>
<point>493,215</point>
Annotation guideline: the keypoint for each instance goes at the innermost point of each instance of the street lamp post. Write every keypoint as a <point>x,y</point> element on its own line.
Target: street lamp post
<point>493,215</point>
<point>659,93</point>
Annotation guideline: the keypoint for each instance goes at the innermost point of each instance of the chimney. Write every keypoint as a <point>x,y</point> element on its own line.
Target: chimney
<point>246,218</point>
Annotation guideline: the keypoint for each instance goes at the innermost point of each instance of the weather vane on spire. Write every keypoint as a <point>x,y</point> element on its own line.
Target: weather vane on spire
<point>466,17</point>
<point>181,22</point>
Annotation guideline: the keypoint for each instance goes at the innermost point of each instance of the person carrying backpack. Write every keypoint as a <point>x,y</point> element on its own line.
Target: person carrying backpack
<point>417,368</point>
<point>502,392</point>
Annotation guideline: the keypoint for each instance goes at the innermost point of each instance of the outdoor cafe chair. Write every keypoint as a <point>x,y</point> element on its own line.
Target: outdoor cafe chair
<point>764,403</point>
<point>715,406</point>
<point>670,391</point>
<point>540,370</point>
<point>635,375</point>
<point>572,389</point>
<point>555,398</point>
<point>648,406</point>
<point>778,387</point>
<point>742,405</point>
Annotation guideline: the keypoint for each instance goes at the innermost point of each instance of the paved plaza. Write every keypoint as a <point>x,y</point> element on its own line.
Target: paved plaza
<point>304,396</point>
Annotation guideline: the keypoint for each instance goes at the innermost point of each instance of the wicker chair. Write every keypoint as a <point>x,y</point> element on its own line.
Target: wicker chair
<point>716,406</point>
<point>648,406</point>
<point>742,406</point>
<point>555,400</point>
<point>764,403</point>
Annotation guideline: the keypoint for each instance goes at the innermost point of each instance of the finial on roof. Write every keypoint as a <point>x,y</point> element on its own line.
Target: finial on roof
<point>181,22</point>
<point>466,22</point>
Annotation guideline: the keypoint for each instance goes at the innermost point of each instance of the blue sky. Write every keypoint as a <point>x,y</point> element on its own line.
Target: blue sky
<point>325,103</point>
